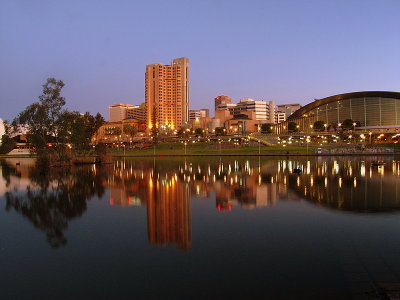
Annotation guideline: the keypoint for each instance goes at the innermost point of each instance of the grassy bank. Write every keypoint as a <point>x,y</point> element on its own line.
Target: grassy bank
<point>213,149</point>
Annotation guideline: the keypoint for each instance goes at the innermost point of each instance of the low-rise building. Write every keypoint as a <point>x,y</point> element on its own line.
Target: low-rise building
<point>112,132</point>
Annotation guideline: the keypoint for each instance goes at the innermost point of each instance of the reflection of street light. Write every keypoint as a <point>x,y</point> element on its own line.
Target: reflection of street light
<point>370,134</point>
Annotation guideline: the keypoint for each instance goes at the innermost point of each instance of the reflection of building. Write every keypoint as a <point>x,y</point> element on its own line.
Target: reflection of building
<point>122,197</point>
<point>167,94</point>
<point>169,213</point>
<point>378,111</point>
<point>342,184</point>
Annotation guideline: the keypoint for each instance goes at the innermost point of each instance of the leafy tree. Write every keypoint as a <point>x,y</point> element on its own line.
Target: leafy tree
<point>48,123</point>
<point>199,132</point>
<point>79,129</point>
<point>266,128</point>
<point>319,126</point>
<point>154,129</point>
<point>292,127</point>
<point>220,131</point>
<point>348,124</point>
<point>43,118</point>
<point>130,130</point>
<point>7,142</point>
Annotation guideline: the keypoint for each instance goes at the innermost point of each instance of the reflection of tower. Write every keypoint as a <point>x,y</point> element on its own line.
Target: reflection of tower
<point>169,213</point>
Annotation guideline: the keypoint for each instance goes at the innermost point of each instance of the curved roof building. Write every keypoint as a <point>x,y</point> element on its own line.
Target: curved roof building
<point>371,110</point>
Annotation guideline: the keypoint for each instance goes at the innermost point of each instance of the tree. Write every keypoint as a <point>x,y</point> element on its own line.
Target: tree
<point>7,143</point>
<point>78,129</point>
<point>348,124</point>
<point>49,124</point>
<point>319,126</point>
<point>43,118</point>
<point>220,131</point>
<point>266,128</point>
<point>154,128</point>
<point>130,130</point>
<point>199,132</point>
<point>292,127</point>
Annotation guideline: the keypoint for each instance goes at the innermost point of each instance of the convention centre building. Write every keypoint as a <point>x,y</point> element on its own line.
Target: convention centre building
<point>371,111</point>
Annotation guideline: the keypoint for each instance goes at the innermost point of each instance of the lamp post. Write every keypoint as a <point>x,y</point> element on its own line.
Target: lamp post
<point>185,147</point>
<point>370,134</point>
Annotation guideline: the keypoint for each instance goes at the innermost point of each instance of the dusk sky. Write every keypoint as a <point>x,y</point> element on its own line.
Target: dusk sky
<point>286,51</point>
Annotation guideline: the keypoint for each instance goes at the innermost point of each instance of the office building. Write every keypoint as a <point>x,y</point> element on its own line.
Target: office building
<point>221,99</point>
<point>198,113</point>
<point>288,109</point>
<point>118,112</point>
<point>167,94</point>
<point>137,112</point>
<point>264,111</point>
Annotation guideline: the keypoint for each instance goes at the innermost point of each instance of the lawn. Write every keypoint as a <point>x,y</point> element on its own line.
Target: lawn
<point>203,148</point>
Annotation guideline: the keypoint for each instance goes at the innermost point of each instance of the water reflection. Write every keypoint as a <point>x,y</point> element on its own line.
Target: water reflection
<point>166,187</point>
<point>49,200</point>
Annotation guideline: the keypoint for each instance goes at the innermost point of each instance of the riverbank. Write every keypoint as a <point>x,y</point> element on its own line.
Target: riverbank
<point>225,149</point>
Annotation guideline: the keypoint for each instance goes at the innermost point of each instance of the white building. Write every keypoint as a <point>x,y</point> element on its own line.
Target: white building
<point>288,109</point>
<point>265,111</point>
<point>195,114</point>
<point>2,129</point>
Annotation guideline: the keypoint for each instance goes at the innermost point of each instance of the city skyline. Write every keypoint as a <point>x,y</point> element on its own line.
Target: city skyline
<point>282,51</point>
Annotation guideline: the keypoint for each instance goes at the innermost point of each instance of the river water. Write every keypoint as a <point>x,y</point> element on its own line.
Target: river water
<point>201,228</point>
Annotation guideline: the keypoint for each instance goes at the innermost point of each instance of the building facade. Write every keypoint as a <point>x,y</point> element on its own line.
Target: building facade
<point>288,109</point>
<point>112,132</point>
<point>118,112</point>
<point>198,113</point>
<point>370,111</point>
<point>221,99</point>
<point>264,110</point>
<point>137,112</point>
<point>167,94</point>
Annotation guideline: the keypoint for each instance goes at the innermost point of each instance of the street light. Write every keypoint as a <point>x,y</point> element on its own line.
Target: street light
<point>185,147</point>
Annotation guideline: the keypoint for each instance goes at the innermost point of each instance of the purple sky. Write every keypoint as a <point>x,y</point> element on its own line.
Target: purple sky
<point>287,51</point>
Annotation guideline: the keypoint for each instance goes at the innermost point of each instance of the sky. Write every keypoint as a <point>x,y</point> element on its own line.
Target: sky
<point>289,51</point>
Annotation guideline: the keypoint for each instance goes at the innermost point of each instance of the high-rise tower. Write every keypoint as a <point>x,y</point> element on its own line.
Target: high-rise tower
<point>167,94</point>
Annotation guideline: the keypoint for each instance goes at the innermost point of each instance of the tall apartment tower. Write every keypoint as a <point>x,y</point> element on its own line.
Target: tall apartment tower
<point>167,94</point>
<point>222,99</point>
